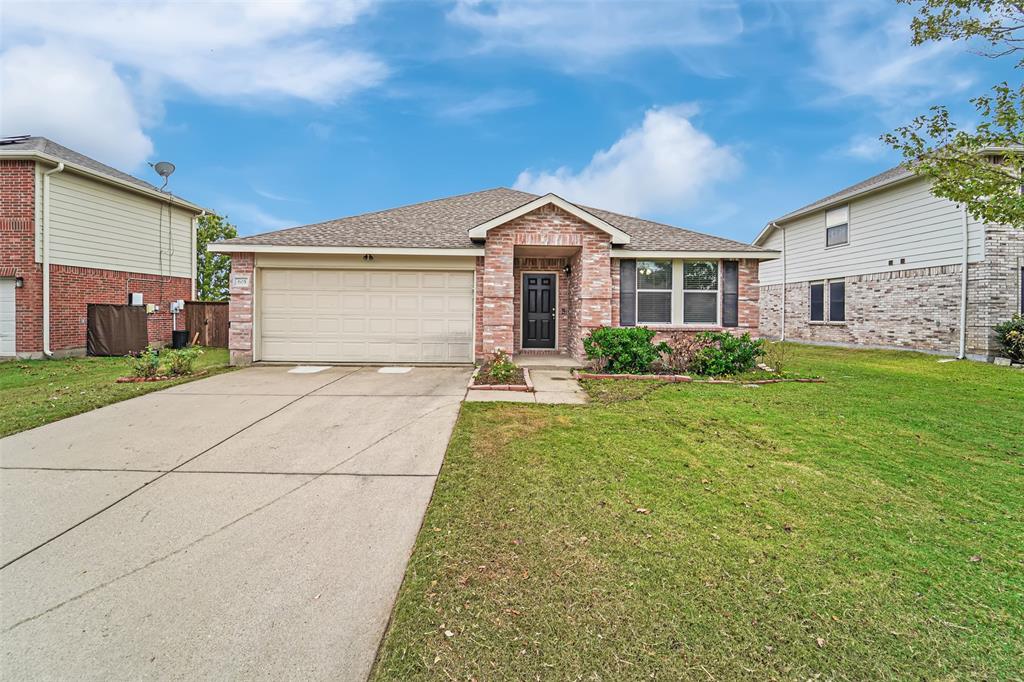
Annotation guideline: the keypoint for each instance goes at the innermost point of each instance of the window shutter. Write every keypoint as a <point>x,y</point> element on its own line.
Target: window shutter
<point>627,293</point>
<point>730,293</point>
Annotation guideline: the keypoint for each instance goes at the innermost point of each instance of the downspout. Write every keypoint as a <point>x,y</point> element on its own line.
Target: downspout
<point>46,257</point>
<point>963,286</point>
<point>195,228</point>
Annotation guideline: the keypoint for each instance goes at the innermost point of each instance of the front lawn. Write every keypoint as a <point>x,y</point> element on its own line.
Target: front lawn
<point>36,392</point>
<point>869,527</point>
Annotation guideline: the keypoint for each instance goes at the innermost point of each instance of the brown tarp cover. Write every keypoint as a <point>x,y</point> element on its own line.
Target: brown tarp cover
<point>116,329</point>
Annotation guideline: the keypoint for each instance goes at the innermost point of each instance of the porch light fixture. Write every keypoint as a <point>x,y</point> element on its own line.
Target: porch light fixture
<point>567,270</point>
<point>19,282</point>
<point>367,257</point>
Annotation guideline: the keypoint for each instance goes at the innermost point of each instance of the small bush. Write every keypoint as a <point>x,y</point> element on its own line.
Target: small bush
<point>624,350</point>
<point>774,356</point>
<point>727,354</point>
<point>1011,337</point>
<point>501,368</point>
<point>145,363</point>
<point>181,361</point>
<point>682,349</point>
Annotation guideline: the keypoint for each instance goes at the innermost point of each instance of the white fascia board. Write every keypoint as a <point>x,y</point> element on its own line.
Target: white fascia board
<point>70,165</point>
<point>345,250</point>
<point>763,234</point>
<point>748,255</point>
<point>618,236</point>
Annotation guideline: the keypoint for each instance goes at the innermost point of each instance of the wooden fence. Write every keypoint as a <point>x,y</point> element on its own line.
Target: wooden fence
<point>208,319</point>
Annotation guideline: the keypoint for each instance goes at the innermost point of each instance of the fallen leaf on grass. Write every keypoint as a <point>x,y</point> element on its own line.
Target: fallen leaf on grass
<point>820,642</point>
<point>642,510</point>
<point>976,558</point>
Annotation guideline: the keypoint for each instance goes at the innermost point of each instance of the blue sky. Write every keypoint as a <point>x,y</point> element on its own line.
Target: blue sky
<point>716,116</point>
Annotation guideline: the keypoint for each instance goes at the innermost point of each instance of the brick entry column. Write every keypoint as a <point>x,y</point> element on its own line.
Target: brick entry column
<point>498,291</point>
<point>591,287</point>
<point>240,341</point>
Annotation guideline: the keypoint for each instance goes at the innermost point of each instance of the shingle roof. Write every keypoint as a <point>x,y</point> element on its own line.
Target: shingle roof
<point>445,223</point>
<point>884,178</point>
<point>59,151</point>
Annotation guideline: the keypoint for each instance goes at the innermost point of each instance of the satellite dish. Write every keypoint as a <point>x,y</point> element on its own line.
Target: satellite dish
<point>164,170</point>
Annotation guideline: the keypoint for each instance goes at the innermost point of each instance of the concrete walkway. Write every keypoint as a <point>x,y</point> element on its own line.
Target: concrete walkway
<point>251,525</point>
<point>552,386</point>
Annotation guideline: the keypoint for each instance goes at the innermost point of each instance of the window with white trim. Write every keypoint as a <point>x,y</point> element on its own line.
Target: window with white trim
<point>700,292</point>
<point>817,296</point>
<point>654,292</point>
<point>837,226</point>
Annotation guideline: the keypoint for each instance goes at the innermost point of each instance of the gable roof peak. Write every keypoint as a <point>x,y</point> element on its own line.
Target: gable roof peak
<point>479,232</point>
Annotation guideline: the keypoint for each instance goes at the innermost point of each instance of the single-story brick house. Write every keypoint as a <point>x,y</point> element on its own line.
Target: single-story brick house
<point>452,280</point>
<point>74,231</point>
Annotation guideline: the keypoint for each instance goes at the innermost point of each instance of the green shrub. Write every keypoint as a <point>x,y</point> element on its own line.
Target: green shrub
<point>182,360</point>
<point>1011,337</point>
<point>624,350</point>
<point>726,354</point>
<point>501,368</point>
<point>145,363</point>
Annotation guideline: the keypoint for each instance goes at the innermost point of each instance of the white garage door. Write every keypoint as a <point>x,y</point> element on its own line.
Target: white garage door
<point>366,315</point>
<point>7,327</point>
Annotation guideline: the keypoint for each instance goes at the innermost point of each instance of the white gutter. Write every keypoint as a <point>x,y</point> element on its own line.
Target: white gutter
<point>782,336</point>
<point>963,285</point>
<point>46,257</point>
<point>762,254</point>
<point>218,247</point>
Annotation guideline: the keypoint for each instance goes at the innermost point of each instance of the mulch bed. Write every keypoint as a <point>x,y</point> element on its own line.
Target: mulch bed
<point>682,378</point>
<point>159,377</point>
<point>483,381</point>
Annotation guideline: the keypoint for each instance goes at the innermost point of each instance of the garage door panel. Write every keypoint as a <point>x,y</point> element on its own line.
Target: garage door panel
<point>366,316</point>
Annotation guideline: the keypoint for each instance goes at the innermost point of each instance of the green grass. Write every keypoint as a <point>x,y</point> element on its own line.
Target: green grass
<point>796,531</point>
<point>37,392</point>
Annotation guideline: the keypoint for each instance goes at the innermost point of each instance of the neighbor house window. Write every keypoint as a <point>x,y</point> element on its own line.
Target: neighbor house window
<point>817,301</point>
<point>837,301</point>
<point>654,292</point>
<point>700,292</point>
<point>837,226</point>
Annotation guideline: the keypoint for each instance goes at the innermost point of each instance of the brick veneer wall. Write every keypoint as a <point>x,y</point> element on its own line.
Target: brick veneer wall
<point>993,287</point>
<point>240,322</point>
<point>916,309</point>
<point>589,286</point>
<point>71,288</point>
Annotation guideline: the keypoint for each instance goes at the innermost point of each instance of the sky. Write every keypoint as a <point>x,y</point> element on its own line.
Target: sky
<point>712,115</point>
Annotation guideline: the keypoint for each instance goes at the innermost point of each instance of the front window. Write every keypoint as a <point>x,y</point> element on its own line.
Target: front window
<point>837,227</point>
<point>654,292</point>
<point>700,292</point>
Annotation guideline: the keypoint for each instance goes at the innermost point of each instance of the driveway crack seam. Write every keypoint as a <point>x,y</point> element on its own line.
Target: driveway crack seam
<point>212,533</point>
<point>165,473</point>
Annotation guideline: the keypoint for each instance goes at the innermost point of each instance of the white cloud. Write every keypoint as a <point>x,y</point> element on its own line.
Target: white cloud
<point>251,218</point>
<point>222,50</point>
<point>74,98</point>
<point>582,33</point>
<point>863,50</point>
<point>664,165</point>
<point>487,103</point>
<point>865,148</point>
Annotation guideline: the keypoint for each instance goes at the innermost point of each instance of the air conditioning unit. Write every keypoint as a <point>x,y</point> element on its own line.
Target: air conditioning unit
<point>135,298</point>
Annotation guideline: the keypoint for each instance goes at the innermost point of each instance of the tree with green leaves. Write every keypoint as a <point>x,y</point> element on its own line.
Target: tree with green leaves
<point>980,168</point>
<point>213,270</point>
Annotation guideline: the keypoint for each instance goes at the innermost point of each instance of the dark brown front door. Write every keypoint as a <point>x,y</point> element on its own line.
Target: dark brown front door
<point>539,310</point>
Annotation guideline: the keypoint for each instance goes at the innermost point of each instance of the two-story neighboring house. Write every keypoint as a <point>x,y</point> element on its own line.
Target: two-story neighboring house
<point>74,231</point>
<point>885,263</point>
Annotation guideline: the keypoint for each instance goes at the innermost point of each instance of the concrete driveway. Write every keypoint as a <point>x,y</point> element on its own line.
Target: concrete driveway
<point>254,524</point>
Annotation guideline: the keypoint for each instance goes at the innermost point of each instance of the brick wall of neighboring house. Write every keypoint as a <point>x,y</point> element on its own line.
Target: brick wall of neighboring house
<point>589,285</point>
<point>994,287</point>
<point>240,322</point>
<point>916,309</point>
<point>17,251</point>
<point>71,288</point>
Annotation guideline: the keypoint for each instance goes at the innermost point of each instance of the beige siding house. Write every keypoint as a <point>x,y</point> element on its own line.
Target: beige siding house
<point>885,263</point>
